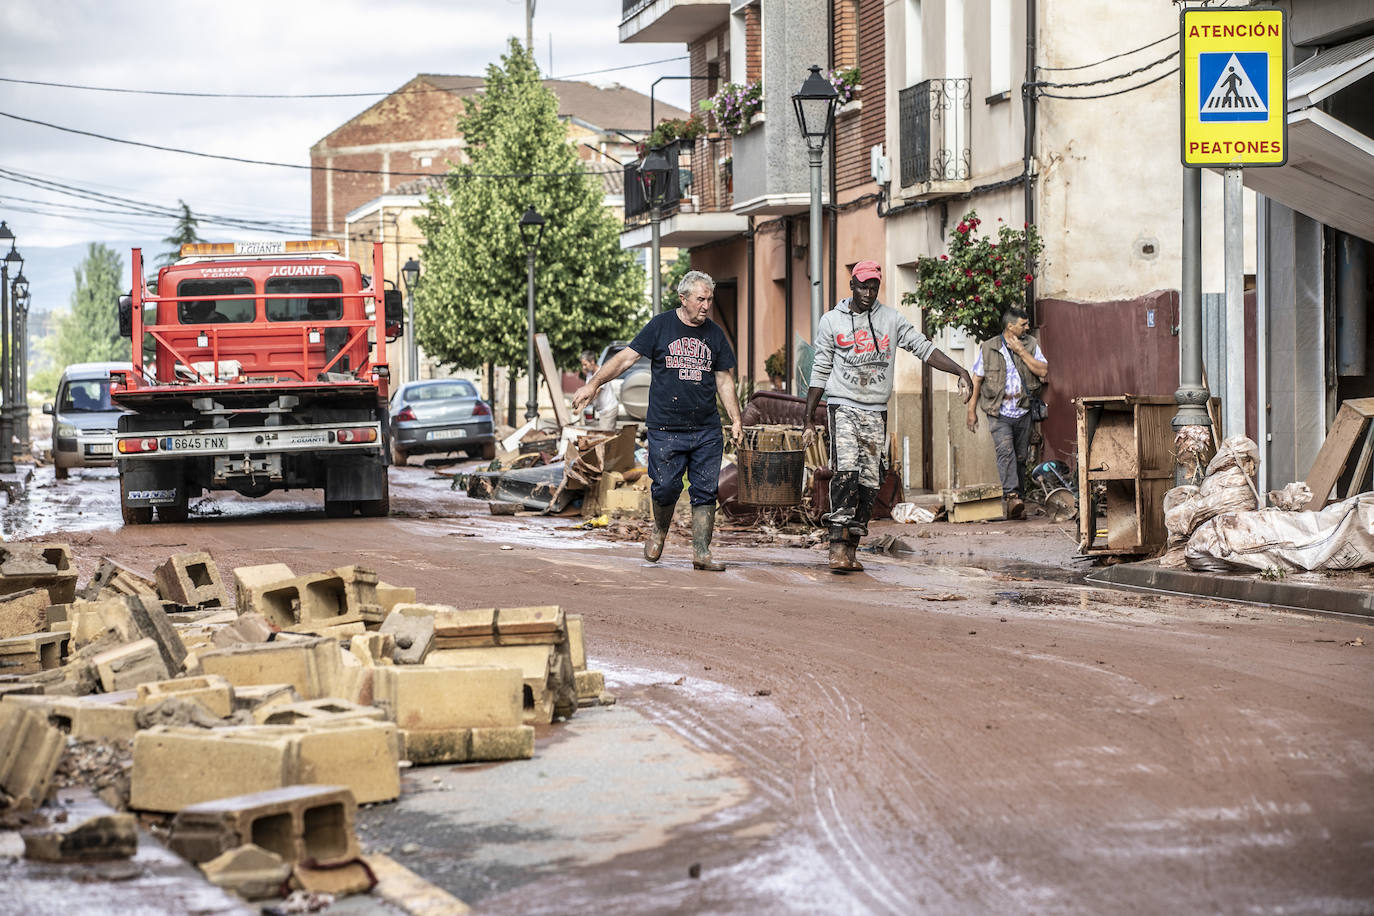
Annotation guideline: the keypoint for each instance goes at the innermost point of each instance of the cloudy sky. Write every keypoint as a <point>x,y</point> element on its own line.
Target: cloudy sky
<point>55,185</point>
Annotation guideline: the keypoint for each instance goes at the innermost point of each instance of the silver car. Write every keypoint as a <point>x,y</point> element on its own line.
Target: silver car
<point>84,418</point>
<point>440,415</point>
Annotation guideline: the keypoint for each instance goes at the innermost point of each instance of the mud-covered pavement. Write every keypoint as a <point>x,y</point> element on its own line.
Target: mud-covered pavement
<point>965,728</point>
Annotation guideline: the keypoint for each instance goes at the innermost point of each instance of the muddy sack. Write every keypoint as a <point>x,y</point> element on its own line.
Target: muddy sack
<point>1341,536</point>
<point>1228,487</point>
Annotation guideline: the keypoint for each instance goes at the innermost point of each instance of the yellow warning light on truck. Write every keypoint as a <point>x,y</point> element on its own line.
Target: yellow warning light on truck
<point>1233,89</point>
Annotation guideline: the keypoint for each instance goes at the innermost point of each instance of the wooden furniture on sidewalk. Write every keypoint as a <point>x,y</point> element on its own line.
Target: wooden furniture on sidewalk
<point>1352,421</point>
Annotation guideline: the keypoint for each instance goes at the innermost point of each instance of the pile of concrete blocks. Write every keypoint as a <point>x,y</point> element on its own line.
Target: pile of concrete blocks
<point>338,602</point>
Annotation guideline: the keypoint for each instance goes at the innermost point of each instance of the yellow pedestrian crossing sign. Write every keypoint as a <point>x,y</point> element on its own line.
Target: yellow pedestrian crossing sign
<point>1233,92</point>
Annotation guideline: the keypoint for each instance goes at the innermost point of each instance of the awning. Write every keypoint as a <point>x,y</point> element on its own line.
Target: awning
<point>1330,170</point>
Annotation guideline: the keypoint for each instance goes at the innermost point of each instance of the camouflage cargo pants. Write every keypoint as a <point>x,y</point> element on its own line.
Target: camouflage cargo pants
<point>858,448</point>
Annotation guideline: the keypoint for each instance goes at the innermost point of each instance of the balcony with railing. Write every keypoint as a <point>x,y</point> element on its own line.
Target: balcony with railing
<point>696,206</point>
<point>935,155</point>
<point>671,21</point>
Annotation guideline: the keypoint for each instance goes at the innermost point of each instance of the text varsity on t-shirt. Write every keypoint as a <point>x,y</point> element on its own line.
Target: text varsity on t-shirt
<point>684,361</point>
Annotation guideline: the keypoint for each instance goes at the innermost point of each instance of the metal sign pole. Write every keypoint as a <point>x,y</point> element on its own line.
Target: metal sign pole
<point>1234,266</point>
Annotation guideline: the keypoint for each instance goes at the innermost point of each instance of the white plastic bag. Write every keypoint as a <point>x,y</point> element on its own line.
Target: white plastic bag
<point>910,512</point>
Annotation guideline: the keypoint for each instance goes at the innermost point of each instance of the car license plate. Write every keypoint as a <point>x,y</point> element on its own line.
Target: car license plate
<point>100,448</point>
<point>446,434</point>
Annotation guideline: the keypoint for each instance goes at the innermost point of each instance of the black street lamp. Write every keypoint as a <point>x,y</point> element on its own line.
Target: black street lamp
<point>21,358</point>
<point>531,233</point>
<point>410,273</point>
<point>13,261</point>
<point>654,172</point>
<point>815,103</point>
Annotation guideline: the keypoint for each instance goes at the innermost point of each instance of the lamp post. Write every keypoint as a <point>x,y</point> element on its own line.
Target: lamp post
<point>815,103</point>
<point>531,233</point>
<point>653,175</point>
<point>16,261</point>
<point>410,273</point>
<point>20,379</point>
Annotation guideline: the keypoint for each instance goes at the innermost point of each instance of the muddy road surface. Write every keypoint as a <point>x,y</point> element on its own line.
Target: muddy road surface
<point>965,728</point>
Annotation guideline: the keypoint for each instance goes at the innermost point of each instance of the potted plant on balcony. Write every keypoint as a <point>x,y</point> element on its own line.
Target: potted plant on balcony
<point>670,129</point>
<point>979,277</point>
<point>734,107</point>
<point>846,83</point>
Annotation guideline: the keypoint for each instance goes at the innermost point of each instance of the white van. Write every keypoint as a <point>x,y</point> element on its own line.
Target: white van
<point>84,418</point>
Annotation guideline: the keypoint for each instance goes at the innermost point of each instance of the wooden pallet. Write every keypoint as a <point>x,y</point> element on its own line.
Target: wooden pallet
<point>1352,423</point>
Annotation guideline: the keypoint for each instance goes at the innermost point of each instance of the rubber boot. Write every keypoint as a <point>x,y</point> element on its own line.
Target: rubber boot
<point>703,524</point>
<point>663,520</point>
<point>851,546</point>
<point>839,549</point>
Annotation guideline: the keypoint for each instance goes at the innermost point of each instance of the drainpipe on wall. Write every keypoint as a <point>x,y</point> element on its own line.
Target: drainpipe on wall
<point>787,300</point>
<point>749,295</point>
<point>1028,112</point>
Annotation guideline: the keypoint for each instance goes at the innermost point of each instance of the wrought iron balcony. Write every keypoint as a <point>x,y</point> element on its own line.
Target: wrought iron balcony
<point>934,118</point>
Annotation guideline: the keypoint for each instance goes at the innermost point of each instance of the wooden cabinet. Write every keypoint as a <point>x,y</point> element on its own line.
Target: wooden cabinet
<point>1125,444</point>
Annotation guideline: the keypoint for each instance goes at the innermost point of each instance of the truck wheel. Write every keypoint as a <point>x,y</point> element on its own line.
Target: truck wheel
<point>339,508</point>
<point>60,472</point>
<point>177,512</point>
<point>378,508</point>
<point>136,515</point>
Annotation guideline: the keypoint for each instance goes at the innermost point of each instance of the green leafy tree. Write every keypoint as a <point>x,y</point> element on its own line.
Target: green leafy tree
<point>89,332</point>
<point>671,277</point>
<point>971,285</point>
<point>184,234</point>
<point>470,308</point>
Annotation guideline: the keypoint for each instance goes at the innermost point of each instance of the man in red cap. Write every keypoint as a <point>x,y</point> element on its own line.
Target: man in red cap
<point>855,346</point>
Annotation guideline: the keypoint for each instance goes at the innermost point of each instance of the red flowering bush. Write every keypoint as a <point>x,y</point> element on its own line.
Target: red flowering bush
<point>977,280</point>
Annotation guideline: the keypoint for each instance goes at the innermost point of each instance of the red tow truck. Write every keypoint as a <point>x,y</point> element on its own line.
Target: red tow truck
<point>259,374</point>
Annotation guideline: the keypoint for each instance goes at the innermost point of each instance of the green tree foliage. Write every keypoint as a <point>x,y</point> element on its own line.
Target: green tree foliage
<point>671,277</point>
<point>470,306</point>
<point>978,279</point>
<point>184,234</point>
<point>90,331</point>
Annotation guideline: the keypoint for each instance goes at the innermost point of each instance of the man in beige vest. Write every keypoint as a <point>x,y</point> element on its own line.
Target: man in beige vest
<point>1008,371</point>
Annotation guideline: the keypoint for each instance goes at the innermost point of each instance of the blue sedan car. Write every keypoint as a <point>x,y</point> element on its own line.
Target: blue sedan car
<point>438,416</point>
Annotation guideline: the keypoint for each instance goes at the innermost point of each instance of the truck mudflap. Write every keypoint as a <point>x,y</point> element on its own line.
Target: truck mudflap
<point>169,445</point>
<point>148,485</point>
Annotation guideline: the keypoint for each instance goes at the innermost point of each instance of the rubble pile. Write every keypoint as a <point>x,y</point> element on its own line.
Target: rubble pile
<point>255,725</point>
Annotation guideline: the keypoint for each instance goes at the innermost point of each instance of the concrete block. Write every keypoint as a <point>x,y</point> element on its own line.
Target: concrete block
<point>30,749</point>
<point>191,579</point>
<point>363,755</point>
<point>412,634</point>
<point>179,766</point>
<point>372,649</point>
<point>108,835</point>
<point>296,823</point>
<point>101,717</point>
<point>577,641</point>
<point>91,620</point>
<point>38,565</point>
<point>76,678</point>
<point>250,871</point>
<point>210,691</point>
<point>590,686</point>
<point>125,667</point>
<point>151,620</point>
<point>113,580</point>
<point>24,612</point>
<point>424,697</point>
<point>258,696</point>
<point>337,631</point>
<point>424,747</point>
<point>513,742</point>
<point>31,654</point>
<point>550,688</point>
<point>339,881</point>
<point>15,688</point>
<point>310,665</point>
<point>314,712</point>
<point>546,621</point>
<point>248,629</point>
<point>388,596</point>
<point>248,578</point>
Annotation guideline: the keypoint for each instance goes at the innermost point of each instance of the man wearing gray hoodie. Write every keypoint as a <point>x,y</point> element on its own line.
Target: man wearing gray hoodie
<point>855,345</point>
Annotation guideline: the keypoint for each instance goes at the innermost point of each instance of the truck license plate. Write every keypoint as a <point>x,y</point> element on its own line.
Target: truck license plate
<point>446,434</point>
<point>192,443</point>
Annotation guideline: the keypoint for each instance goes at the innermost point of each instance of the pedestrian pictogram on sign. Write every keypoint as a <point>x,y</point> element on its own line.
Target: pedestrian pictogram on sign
<point>1233,93</point>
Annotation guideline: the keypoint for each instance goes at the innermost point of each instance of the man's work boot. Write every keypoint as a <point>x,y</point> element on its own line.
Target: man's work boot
<point>1015,507</point>
<point>663,520</point>
<point>839,547</point>
<point>851,545</point>
<point>703,524</point>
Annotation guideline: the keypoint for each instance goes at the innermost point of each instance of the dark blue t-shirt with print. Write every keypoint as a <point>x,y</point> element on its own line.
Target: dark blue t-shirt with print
<point>682,392</point>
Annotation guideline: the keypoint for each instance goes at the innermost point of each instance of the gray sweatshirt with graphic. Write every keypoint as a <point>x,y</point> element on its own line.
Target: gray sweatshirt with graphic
<point>854,354</point>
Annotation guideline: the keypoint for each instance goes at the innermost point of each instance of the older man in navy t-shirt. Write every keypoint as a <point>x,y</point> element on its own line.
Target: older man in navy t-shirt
<point>691,363</point>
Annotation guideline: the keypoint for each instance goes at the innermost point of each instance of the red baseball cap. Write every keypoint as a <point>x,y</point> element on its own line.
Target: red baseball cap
<point>867,270</point>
